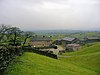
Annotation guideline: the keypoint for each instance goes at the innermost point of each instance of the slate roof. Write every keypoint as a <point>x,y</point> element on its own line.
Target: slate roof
<point>40,38</point>
<point>68,39</point>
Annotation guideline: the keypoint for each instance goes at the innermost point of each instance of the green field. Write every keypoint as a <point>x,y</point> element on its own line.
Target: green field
<point>83,62</point>
<point>88,57</point>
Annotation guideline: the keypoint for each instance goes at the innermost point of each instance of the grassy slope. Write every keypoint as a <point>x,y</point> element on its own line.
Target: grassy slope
<point>90,48</point>
<point>87,57</point>
<point>34,64</point>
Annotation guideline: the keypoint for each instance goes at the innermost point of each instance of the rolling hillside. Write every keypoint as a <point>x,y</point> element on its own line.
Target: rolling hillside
<point>83,62</point>
<point>88,57</point>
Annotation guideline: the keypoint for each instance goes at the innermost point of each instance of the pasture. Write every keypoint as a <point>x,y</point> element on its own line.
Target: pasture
<point>83,62</point>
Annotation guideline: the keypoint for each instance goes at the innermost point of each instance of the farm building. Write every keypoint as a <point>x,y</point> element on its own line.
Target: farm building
<point>92,39</point>
<point>40,41</point>
<point>68,40</point>
<point>58,42</point>
<point>72,47</point>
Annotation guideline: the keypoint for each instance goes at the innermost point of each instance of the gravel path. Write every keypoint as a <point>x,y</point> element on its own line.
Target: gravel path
<point>56,51</point>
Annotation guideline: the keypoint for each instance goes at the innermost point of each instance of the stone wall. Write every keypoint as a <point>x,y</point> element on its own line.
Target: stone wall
<point>39,51</point>
<point>40,43</point>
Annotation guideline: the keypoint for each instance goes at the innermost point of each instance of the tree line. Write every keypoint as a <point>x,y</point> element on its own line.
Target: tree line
<point>14,36</point>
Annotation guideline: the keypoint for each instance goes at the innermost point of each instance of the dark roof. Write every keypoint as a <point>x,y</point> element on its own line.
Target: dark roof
<point>68,39</point>
<point>40,38</point>
<point>93,38</point>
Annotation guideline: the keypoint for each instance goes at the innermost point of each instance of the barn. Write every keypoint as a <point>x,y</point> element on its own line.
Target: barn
<point>92,39</point>
<point>68,40</point>
<point>72,47</point>
<point>40,41</point>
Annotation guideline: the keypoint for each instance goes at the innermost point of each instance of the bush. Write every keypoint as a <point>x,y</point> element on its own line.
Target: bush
<point>7,54</point>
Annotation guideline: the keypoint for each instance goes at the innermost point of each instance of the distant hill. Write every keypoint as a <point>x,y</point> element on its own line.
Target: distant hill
<point>61,31</point>
<point>56,31</point>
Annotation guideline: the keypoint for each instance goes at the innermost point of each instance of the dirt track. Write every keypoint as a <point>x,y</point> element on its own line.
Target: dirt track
<point>56,51</point>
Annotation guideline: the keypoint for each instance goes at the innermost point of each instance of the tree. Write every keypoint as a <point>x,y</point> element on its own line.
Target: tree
<point>14,36</point>
<point>14,33</point>
<point>26,36</point>
<point>3,30</point>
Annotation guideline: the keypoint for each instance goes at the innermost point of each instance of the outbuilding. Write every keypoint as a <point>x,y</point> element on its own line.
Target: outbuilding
<point>68,40</point>
<point>72,47</point>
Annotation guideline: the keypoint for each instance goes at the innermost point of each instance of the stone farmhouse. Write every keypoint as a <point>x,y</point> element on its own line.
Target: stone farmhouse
<point>92,39</point>
<point>40,41</point>
<point>68,40</point>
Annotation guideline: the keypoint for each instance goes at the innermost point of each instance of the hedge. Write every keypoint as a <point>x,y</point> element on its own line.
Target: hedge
<point>7,54</point>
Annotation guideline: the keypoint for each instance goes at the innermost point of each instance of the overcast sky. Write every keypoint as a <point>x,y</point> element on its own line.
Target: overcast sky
<point>51,14</point>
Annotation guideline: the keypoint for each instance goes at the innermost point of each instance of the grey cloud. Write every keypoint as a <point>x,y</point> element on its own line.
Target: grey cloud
<point>51,14</point>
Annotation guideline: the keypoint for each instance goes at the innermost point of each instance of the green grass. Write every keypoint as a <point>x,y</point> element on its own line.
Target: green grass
<point>83,62</point>
<point>34,64</point>
<point>87,49</point>
<point>87,57</point>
